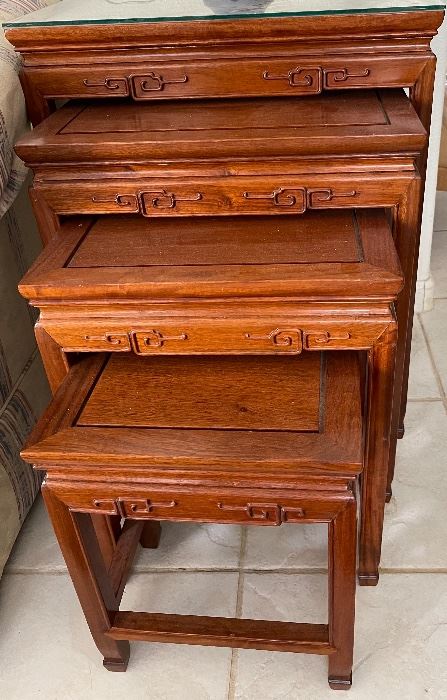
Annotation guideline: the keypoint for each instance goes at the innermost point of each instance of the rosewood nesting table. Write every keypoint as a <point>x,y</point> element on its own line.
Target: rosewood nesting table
<point>257,285</point>
<point>204,439</point>
<point>78,50</point>
<point>216,49</point>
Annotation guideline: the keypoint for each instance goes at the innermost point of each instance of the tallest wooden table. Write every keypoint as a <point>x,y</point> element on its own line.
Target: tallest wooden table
<point>221,48</point>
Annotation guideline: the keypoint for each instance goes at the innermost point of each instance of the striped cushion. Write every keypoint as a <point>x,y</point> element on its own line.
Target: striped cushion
<point>11,9</point>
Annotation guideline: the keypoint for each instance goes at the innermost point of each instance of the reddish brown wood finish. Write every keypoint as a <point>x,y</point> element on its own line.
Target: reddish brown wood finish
<point>312,480</point>
<point>380,50</point>
<point>339,51</point>
<point>369,50</point>
<point>368,122</point>
<point>347,293</point>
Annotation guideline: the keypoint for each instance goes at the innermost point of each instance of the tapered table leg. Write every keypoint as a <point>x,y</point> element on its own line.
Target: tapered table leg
<point>82,554</point>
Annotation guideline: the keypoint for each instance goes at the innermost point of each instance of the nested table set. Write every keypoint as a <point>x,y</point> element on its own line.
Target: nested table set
<point>225,294</point>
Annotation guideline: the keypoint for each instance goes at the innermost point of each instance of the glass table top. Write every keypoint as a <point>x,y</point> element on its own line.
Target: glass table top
<point>119,11</point>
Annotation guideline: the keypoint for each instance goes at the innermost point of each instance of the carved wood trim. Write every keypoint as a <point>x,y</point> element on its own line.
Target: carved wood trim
<point>151,82</point>
<point>279,337</point>
<point>114,339</point>
<point>145,341</point>
<point>309,80</point>
<point>162,199</point>
<point>318,339</point>
<point>129,507</point>
<point>273,513</point>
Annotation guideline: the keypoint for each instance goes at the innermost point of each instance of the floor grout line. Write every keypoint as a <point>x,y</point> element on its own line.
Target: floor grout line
<point>291,571</point>
<point>232,678</point>
<point>433,364</point>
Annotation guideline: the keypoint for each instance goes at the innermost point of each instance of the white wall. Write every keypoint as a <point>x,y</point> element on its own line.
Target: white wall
<point>424,289</point>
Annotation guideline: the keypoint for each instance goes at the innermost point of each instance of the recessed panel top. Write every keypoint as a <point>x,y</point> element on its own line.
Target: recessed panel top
<point>360,122</point>
<point>319,254</point>
<point>119,11</point>
<point>218,393</point>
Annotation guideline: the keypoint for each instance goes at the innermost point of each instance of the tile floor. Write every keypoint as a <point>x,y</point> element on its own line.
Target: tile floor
<point>401,632</point>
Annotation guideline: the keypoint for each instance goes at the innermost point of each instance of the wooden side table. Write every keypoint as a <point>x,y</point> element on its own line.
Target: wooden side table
<point>205,440</point>
<point>246,285</point>
<point>94,56</point>
<point>107,158</point>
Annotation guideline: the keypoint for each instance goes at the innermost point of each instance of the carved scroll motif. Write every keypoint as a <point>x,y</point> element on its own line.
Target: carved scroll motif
<point>265,512</point>
<point>117,340</point>
<point>315,197</point>
<point>318,339</point>
<point>280,338</point>
<point>307,199</point>
<point>152,82</point>
<point>283,197</point>
<point>142,507</point>
<point>341,75</point>
<point>126,508</point>
<point>299,199</point>
<point>121,200</point>
<point>151,340</point>
<point>313,80</point>
<point>308,79</point>
<point>162,199</point>
<point>106,507</point>
<point>112,84</point>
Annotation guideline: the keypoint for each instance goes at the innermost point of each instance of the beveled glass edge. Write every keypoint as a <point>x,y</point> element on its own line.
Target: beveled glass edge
<point>200,18</point>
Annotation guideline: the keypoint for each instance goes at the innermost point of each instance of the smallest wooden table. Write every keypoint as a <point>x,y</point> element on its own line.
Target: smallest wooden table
<point>224,440</point>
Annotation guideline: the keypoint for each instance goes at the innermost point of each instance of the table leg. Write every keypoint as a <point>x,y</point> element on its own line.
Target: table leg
<point>342,549</point>
<point>381,369</point>
<point>83,556</point>
<point>407,245</point>
<point>57,364</point>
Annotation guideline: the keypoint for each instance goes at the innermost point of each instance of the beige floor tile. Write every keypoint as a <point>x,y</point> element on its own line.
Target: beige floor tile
<point>435,325</point>
<point>422,381</point>
<point>47,651</point>
<point>192,546</point>
<point>36,548</point>
<point>401,640</point>
<point>439,264</point>
<point>287,547</point>
<point>440,223</point>
<point>415,530</point>
<point>183,545</point>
